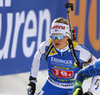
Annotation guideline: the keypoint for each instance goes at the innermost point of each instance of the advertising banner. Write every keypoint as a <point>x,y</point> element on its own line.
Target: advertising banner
<point>24,24</point>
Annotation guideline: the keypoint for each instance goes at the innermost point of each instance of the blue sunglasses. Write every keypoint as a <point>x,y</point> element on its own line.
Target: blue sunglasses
<point>59,37</point>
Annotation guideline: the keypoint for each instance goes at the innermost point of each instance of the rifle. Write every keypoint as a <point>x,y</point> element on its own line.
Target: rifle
<point>70,5</point>
<point>73,36</point>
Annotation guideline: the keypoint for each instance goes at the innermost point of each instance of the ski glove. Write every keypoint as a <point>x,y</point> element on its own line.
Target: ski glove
<point>78,91</point>
<point>87,93</point>
<point>31,88</point>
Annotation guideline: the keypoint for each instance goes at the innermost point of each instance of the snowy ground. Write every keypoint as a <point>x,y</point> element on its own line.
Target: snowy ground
<point>16,84</point>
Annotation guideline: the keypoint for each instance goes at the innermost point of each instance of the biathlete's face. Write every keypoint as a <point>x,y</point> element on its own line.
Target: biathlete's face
<point>59,40</point>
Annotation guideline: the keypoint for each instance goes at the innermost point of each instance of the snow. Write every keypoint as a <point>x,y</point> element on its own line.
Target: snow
<point>16,84</point>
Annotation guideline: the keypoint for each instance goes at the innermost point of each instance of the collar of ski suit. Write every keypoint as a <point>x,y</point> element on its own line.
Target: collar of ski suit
<point>63,51</point>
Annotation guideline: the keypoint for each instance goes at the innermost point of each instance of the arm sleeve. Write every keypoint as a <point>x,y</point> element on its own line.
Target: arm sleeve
<point>95,80</point>
<point>90,71</point>
<point>37,59</point>
<point>83,74</point>
<point>35,64</point>
<point>79,79</point>
<point>94,83</point>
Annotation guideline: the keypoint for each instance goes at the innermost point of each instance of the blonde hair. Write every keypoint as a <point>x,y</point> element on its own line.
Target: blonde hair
<point>60,20</point>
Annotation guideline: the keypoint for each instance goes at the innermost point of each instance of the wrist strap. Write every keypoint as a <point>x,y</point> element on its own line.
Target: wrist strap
<point>32,79</point>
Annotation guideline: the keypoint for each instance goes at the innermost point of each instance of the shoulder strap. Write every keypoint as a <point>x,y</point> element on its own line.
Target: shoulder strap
<point>48,50</point>
<point>73,53</point>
